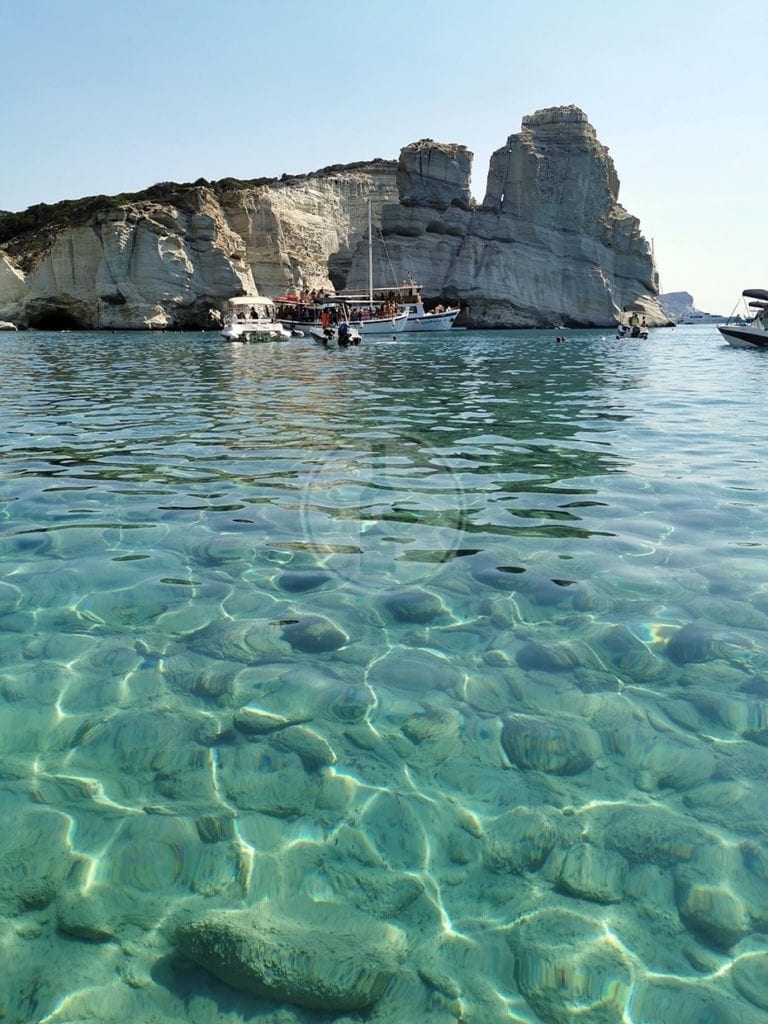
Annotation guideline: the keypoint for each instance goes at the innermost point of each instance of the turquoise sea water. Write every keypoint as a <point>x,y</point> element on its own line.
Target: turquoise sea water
<point>423,681</point>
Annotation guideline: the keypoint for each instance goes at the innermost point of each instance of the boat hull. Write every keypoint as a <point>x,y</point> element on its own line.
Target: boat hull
<point>269,332</point>
<point>431,321</point>
<point>330,336</point>
<point>743,336</point>
<point>391,325</point>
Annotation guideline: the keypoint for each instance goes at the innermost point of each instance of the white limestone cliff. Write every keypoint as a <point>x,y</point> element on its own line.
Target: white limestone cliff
<point>548,245</point>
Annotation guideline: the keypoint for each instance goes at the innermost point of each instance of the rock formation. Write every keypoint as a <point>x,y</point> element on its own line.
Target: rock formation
<point>548,245</point>
<point>681,308</point>
<point>165,257</point>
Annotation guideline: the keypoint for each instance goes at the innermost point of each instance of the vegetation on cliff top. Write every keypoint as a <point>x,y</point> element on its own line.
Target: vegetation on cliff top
<point>49,218</point>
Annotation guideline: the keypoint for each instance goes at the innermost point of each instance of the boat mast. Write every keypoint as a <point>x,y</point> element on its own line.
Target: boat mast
<point>370,256</point>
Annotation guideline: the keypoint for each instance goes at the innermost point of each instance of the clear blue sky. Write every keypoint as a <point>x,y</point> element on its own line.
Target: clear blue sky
<point>106,96</point>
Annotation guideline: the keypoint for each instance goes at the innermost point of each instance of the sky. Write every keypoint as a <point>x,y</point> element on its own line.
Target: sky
<point>109,96</point>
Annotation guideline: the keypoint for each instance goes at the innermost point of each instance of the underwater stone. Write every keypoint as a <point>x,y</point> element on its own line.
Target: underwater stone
<point>323,956</point>
<point>593,874</point>
<point>35,859</point>
<point>696,643</point>
<point>315,752</point>
<point>714,913</point>
<point>631,657</point>
<point>652,835</point>
<point>556,657</point>
<point>568,969</point>
<point>414,605</point>
<point>549,746</point>
<point>749,974</point>
<point>260,778</point>
<point>414,670</point>
<point>215,828</point>
<point>245,642</point>
<point>255,722</point>
<point>314,635</point>
<point>501,577</point>
<point>298,581</point>
<point>83,917</point>
<point>383,892</point>
<point>398,834</point>
<point>431,724</point>
<point>518,841</point>
<point>661,1000</point>
<point>353,704</point>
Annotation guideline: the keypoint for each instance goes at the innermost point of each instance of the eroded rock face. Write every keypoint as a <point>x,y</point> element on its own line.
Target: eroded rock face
<point>549,244</point>
<point>434,175</point>
<point>167,261</point>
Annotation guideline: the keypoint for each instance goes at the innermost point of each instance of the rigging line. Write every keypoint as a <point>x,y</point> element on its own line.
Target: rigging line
<point>380,237</point>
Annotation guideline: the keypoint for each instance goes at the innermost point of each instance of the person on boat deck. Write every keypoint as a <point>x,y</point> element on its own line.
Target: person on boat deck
<point>634,320</point>
<point>325,319</point>
<point>253,313</point>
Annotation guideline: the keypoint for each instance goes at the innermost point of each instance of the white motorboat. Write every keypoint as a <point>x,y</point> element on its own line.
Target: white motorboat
<point>252,318</point>
<point>754,333</point>
<point>440,318</point>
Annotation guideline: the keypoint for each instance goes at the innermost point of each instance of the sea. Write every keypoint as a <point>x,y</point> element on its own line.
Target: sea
<point>419,681</point>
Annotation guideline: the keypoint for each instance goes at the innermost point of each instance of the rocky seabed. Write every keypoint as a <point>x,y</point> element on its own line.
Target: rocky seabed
<point>273,814</point>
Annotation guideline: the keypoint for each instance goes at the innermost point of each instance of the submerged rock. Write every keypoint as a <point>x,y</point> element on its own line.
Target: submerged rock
<point>323,956</point>
<point>35,860</point>
<point>519,840</point>
<point>750,978</point>
<point>84,917</point>
<point>314,634</point>
<point>697,643</point>
<point>314,750</point>
<point>414,605</point>
<point>298,581</point>
<point>593,874</point>
<point>568,969</point>
<point>563,748</point>
<point>714,913</point>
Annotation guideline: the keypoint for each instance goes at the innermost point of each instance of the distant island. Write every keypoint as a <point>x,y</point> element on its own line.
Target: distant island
<point>680,307</point>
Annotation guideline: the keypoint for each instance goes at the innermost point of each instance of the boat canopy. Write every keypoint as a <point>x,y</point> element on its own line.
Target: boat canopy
<point>251,300</point>
<point>755,293</point>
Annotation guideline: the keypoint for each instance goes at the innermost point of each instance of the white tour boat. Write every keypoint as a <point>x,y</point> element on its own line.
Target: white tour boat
<point>754,333</point>
<point>252,318</point>
<point>400,300</point>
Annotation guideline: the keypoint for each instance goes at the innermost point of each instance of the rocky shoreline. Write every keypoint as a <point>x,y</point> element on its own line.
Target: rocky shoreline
<point>549,245</point>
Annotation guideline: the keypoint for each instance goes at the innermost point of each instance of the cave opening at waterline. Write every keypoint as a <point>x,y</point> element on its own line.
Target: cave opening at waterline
<point>56,320</point>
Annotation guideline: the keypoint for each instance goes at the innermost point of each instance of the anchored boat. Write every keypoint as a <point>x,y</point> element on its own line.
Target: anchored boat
<point>754,333</point>
<point>252,318</point>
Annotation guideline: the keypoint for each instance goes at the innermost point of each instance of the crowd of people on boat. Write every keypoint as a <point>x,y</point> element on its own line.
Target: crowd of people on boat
<point>299,310</point>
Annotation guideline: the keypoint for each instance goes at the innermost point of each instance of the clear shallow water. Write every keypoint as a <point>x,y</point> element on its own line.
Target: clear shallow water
<point>451,651</point>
